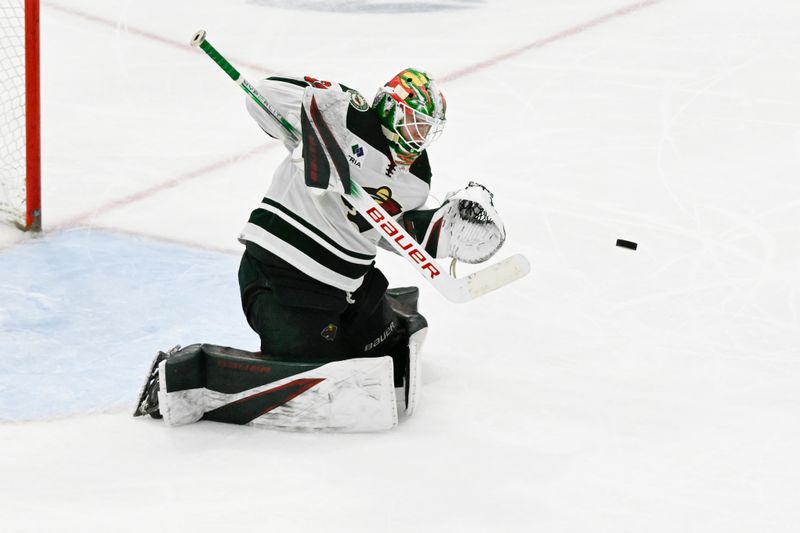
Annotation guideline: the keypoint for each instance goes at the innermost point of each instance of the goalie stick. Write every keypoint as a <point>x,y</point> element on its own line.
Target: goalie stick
<point>457,290</point>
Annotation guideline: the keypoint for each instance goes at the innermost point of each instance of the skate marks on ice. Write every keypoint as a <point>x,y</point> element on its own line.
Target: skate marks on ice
<point>370,6</point>
<point>84,311</point>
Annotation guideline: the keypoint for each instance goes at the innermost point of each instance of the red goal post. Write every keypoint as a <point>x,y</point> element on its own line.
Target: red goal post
<point>20,126</point>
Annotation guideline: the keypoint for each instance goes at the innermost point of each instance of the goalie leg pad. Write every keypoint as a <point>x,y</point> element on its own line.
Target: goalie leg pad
<point>413,383</point>
<point>404,301</point>
<point>239,387</point>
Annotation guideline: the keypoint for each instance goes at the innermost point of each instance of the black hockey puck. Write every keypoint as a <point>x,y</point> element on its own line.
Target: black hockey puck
<point>622,243</point>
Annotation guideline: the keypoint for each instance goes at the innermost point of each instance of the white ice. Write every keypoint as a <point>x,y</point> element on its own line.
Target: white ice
<point>610,391</point>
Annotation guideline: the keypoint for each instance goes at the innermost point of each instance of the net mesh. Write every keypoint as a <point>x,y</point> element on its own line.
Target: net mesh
<point>12,111</point>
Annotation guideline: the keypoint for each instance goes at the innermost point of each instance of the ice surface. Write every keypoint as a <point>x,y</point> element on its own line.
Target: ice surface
<point>611,390</point>
<point>83,309</point>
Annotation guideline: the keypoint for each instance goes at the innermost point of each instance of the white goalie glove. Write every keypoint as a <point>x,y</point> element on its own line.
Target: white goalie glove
<point>472,230</point>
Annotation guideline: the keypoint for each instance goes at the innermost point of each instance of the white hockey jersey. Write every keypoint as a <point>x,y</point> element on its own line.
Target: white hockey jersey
<point>315,230</point>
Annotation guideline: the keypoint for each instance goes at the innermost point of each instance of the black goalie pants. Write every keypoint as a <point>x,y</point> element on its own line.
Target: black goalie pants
<point>300,319</point>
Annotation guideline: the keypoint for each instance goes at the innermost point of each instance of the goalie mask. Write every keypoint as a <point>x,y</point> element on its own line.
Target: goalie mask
<point>411,110</point>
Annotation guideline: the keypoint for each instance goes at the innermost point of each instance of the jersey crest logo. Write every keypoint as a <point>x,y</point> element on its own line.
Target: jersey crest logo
<point>329,332</point>
<point>383,196</point>
<point>358,101</point>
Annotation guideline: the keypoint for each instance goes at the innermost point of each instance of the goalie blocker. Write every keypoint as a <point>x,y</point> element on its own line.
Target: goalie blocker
<point>209,382</point>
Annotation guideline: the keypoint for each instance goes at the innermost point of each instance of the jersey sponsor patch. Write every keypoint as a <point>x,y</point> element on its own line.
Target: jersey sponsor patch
<point>358,101</point>
<point>357,155</point>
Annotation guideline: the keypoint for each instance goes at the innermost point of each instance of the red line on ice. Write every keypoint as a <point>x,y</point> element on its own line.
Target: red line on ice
<point>627,10</point>
<point>169,184</point>
<point>124,28</point>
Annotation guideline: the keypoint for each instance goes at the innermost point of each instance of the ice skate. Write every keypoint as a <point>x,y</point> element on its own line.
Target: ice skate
<point>148,398</point>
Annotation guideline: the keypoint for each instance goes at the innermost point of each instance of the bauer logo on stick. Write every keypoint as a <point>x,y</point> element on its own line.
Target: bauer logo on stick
<point>391,231</point>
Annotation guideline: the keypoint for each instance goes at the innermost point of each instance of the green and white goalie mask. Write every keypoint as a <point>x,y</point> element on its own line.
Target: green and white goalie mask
<point>412,113</point>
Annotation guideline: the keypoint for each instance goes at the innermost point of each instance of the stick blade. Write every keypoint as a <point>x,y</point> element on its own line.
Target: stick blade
<point>487,280</point>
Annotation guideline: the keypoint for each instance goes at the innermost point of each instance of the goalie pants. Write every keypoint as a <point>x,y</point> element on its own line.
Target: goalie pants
<point>301,319</point>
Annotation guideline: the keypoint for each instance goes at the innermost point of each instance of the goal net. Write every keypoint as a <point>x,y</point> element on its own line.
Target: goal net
<point>20,202</point>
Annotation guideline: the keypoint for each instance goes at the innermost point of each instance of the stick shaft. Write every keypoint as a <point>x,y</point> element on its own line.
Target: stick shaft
<point>200,41</point>
<point>212,52</point>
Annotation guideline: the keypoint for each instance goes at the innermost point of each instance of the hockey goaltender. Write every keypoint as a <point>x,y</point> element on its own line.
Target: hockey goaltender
<point>340,351</point>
